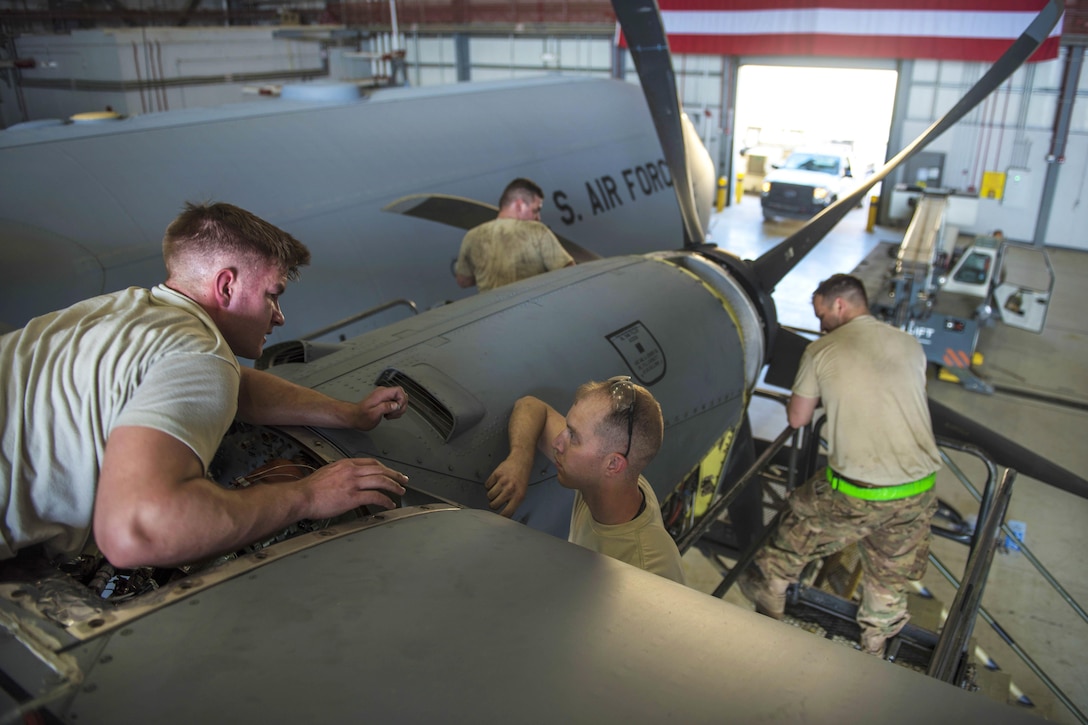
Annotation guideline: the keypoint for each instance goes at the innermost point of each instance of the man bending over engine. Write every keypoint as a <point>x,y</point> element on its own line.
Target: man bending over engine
<point>113,408</point>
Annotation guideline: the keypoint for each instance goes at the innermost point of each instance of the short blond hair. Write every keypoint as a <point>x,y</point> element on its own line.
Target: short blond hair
<point>647,423</point>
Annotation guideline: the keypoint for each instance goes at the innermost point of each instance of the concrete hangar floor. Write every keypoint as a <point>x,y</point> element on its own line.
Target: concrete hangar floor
<point>1035,616</point>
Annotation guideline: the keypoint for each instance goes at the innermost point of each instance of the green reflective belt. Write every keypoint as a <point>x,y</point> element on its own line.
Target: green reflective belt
<point>881,493</point>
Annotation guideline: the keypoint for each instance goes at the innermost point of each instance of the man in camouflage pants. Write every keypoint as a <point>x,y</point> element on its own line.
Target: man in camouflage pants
<point>877,490</point>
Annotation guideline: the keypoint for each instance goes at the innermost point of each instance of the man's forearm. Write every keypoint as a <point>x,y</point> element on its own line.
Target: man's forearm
<point>266,399</point>
<point>154,507</point>
<point>526,427</point>
<point>217,521</point>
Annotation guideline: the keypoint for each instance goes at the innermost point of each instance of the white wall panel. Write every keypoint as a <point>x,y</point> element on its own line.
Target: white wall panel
<point>1069,219</point>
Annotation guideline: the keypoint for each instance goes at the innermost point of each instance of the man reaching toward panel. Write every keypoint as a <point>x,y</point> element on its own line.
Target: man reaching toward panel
<point>113,408</point>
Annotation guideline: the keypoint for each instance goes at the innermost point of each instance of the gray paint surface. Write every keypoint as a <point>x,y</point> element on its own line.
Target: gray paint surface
<point>462,616</point>
<point>638,316</point>
<point>101,195</point>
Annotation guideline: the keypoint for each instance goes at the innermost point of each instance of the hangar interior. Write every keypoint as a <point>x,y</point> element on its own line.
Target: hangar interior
<point>999,162</point>
<point>1018,163</point>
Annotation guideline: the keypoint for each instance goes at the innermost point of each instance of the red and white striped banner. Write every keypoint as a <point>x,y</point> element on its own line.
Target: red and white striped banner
<point>968,30</point>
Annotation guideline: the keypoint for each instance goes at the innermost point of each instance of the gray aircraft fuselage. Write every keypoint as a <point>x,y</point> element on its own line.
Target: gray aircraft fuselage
<point>90,202</point>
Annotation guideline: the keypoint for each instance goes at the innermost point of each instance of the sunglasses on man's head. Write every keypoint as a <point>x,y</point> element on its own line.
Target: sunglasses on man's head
<point>623,395</point>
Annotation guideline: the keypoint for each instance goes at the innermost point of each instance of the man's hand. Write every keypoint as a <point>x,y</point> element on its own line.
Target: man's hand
<point>508,485</point>
<point>350,483</point>
<point>266,399</point>
<point>388,403</point>
<point>533,426</point>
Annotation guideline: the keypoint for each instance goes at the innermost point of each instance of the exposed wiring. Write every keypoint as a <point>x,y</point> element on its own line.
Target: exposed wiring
<point>282,469</point>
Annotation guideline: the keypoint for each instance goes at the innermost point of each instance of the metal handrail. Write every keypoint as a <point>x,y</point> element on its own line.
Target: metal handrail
<point>746,558</point>
<point>715,510</point>
<point>1024,656</point>
<point>688,539</point>
<point>791,471</point>
<point>1054,583</point>
<point>946,664</point>
<point>1004,528</point>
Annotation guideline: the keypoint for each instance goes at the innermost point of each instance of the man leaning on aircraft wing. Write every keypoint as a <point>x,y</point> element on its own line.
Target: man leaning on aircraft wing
<point>600,448</point>
<point>114,407</point>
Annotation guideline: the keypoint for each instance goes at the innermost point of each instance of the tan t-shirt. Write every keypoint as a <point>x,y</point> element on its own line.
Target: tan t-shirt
<point>871,378</point>
<point>139,357</point>
<point>502,251</point>
<point>642,542</point>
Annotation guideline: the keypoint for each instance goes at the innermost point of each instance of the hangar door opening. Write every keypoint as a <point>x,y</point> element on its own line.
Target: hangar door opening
<point>783,108</point>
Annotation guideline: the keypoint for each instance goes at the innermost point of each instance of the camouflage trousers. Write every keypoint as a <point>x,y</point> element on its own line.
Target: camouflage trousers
<point>892,537</point>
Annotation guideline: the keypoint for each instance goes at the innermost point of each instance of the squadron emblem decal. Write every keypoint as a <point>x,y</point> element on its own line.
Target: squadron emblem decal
<point>640,351</point>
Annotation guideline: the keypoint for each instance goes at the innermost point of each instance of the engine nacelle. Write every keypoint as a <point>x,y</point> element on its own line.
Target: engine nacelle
<point>678,323</point>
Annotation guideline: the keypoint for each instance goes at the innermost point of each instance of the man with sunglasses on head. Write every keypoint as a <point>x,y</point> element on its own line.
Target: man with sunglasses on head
<point>513,246</point>
<point>611,433</point>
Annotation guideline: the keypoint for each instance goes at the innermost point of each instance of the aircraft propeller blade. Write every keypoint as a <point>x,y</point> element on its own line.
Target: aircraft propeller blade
<point>947,423</point>
<point>645,34</point>
<point>463,213</point>
<point>772,266</point>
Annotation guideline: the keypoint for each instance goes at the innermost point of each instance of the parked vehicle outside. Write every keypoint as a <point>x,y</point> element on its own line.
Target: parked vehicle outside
<point>806,183</point>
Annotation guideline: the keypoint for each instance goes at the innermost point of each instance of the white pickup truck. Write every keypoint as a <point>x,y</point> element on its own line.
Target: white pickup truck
<point>806,184</point>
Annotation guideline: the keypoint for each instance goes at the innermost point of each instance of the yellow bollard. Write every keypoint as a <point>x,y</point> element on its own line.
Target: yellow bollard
<point>873,201</point>
<point>719,201</point>
<point>740,186</point>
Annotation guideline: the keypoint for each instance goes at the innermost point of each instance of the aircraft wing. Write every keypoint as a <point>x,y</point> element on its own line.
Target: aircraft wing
<point>947,423</point>
<point>442,614</point>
